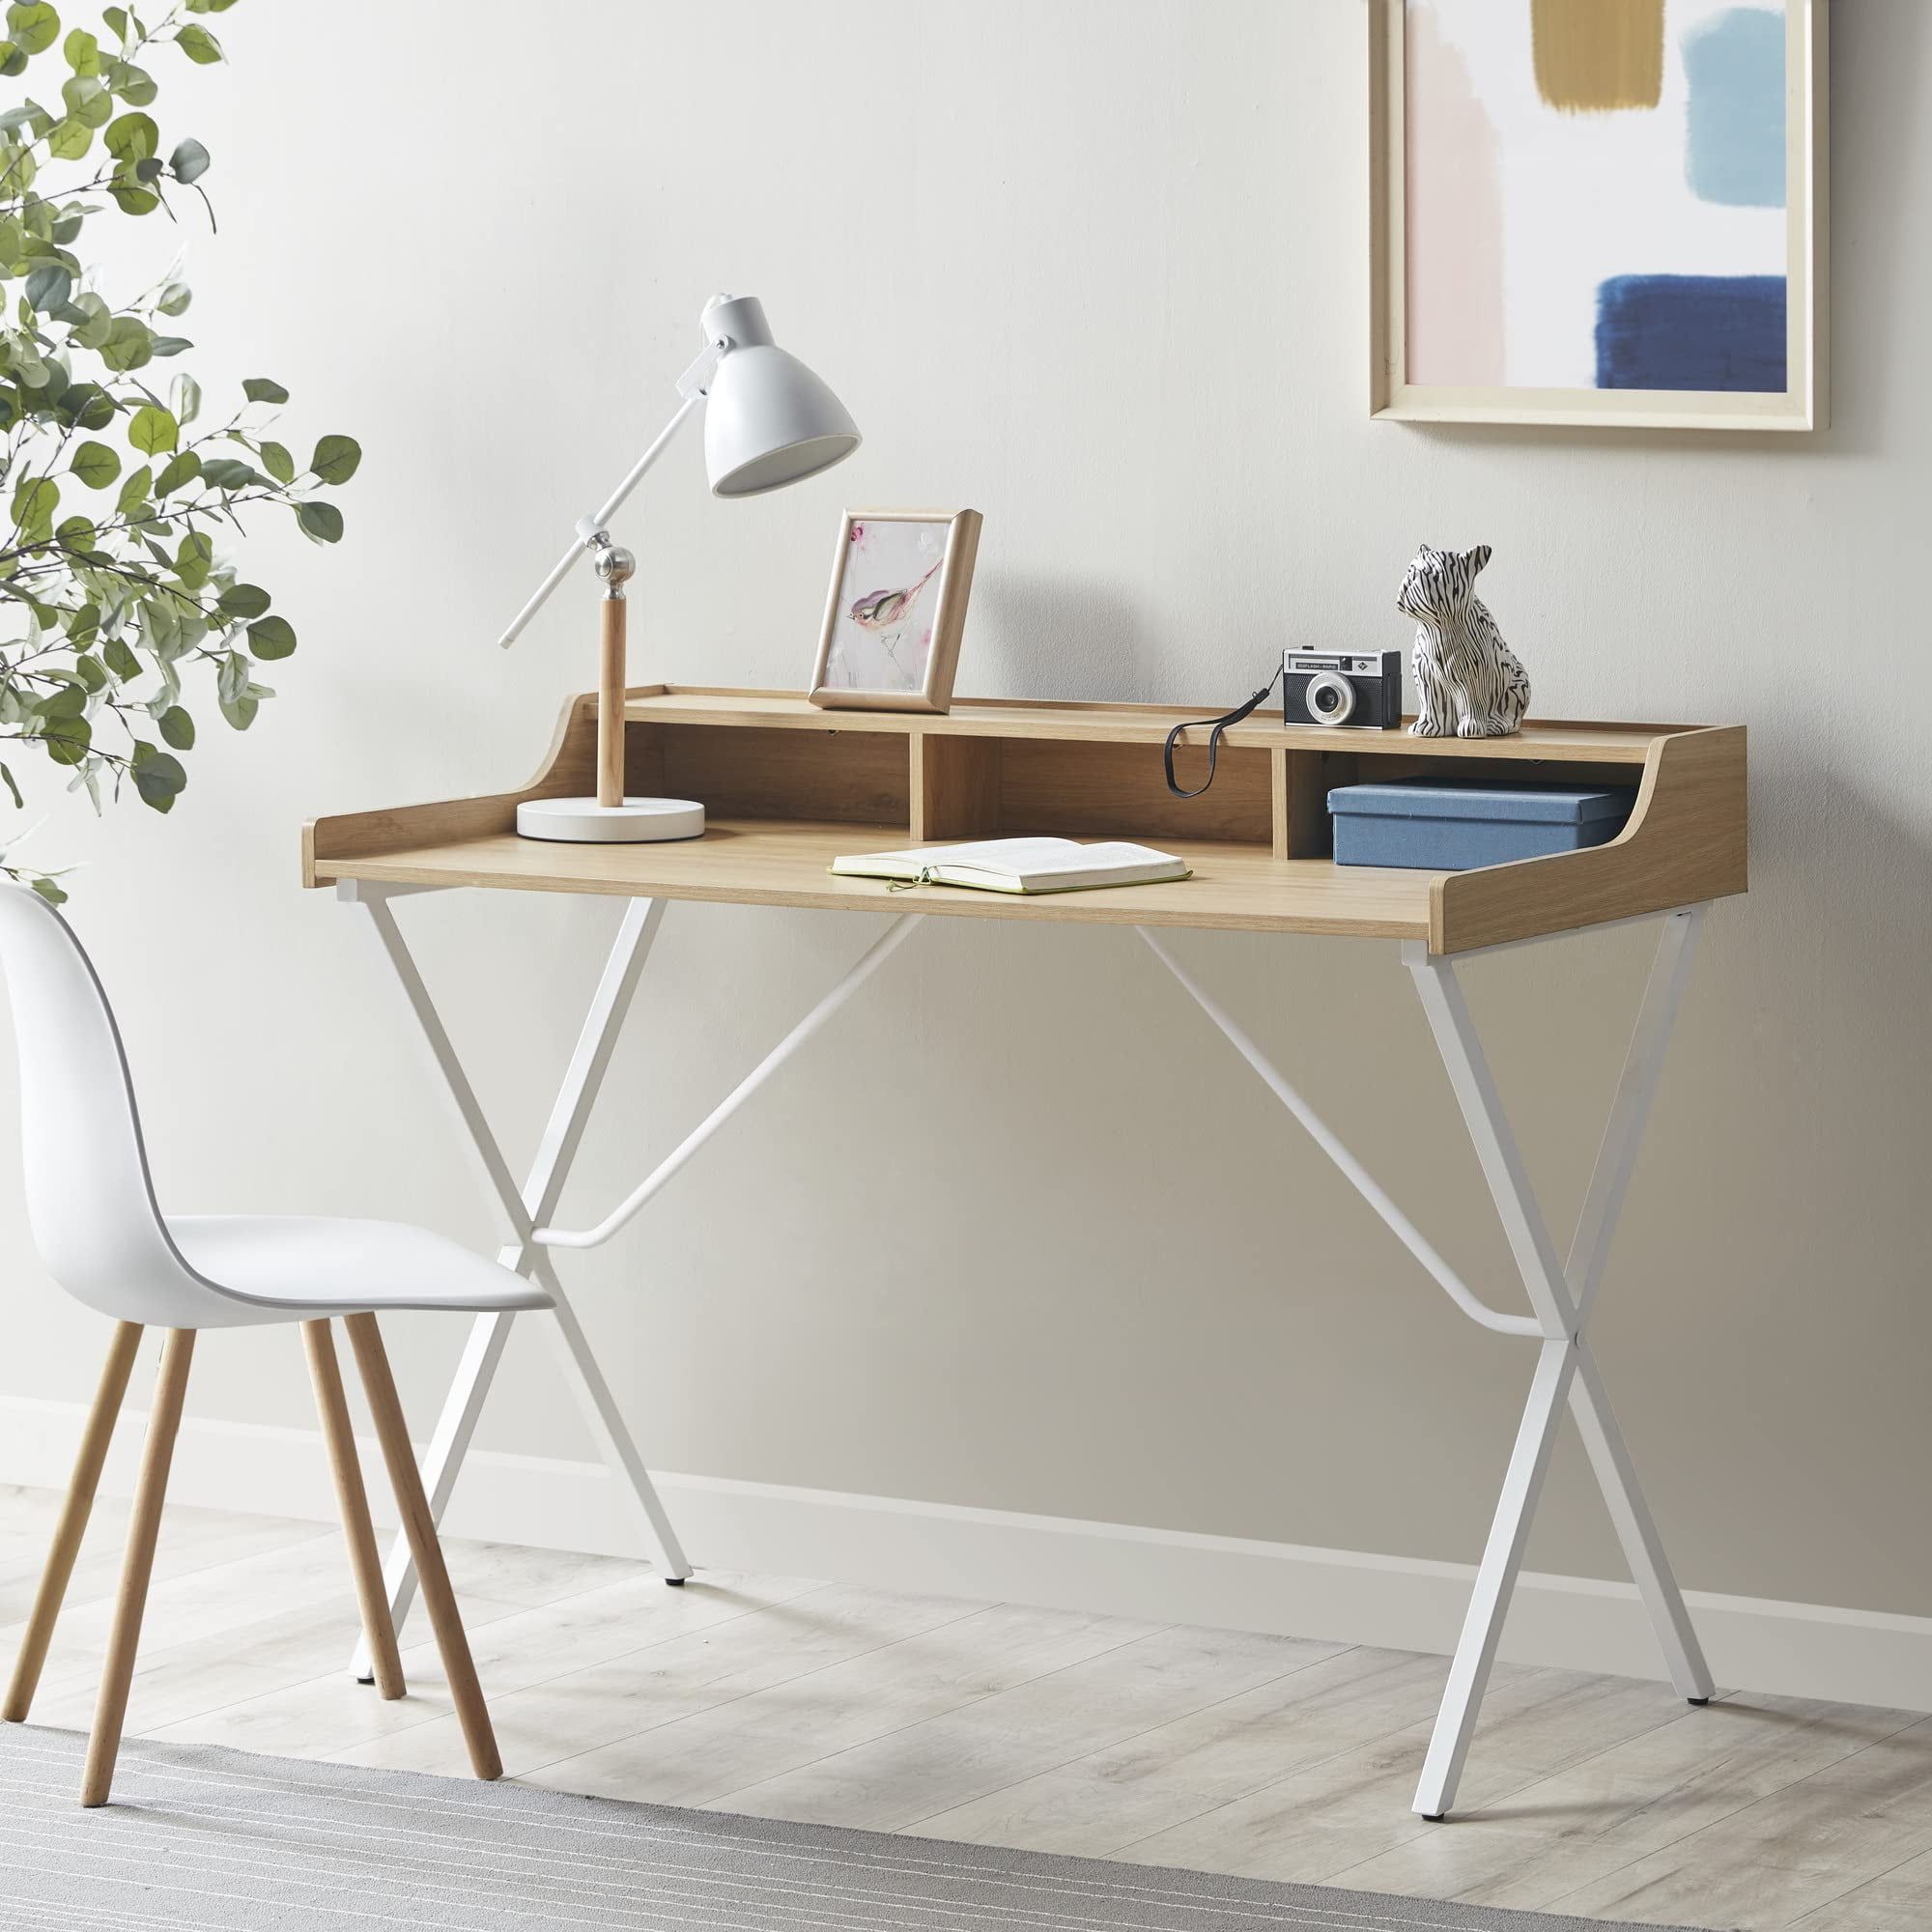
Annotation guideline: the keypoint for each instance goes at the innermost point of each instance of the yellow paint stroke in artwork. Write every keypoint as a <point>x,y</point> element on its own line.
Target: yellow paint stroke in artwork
<point>1596,56</point>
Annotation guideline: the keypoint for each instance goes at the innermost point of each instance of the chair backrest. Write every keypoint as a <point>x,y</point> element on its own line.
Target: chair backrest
<point>89,1196</point>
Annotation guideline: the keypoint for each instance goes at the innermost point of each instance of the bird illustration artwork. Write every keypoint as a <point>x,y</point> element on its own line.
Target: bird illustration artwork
<point>886,613</point>
<point>886,609</point>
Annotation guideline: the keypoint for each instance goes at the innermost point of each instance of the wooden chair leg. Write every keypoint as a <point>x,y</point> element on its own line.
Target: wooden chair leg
<point>157,1457</point>
<point>72,1524</point>
<point>459,1667</point>
<point>352,1500</point>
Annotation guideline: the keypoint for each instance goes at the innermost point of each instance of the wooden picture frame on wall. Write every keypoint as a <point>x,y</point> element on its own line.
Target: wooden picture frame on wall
<point>1618,293</point>
<point>897,610</point>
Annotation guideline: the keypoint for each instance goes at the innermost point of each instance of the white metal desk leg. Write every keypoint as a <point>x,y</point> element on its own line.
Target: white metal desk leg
<point>1496,1581</point>
<point>522,1208</point>
<point>607,1424</point>
<point>1644,1547</point>
<point>1561,1301</point>
<point>1596,1422</point>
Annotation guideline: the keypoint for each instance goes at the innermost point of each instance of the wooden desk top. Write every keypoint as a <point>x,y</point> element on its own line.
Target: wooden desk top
<point>753,862</point>
<point>789,787</point>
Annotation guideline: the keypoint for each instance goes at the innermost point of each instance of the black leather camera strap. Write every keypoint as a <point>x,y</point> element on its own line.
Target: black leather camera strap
<point>1220,725</point>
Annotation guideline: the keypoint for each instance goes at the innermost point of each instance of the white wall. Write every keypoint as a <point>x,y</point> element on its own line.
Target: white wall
<point>1017,1231</point>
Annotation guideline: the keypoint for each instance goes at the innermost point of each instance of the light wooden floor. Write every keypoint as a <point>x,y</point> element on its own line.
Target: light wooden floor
<point>1213,1749</point>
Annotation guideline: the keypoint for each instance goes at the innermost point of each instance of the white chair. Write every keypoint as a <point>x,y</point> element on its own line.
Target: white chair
<point>104,1240</point>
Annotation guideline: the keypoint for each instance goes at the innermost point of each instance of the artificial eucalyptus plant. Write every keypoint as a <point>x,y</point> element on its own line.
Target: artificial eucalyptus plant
<point>118,599</point>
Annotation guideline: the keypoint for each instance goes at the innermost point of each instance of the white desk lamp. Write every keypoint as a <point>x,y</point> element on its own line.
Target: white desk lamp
<point>771,422</point>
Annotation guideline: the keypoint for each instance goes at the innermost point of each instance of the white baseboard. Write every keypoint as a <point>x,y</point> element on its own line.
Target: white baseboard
<point>1807,1650</point>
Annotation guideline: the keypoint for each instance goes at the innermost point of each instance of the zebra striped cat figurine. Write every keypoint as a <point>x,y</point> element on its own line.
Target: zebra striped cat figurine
<point>1468,683</point>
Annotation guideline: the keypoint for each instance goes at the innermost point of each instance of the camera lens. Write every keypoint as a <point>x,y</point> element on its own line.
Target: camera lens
<point>1331,698</point>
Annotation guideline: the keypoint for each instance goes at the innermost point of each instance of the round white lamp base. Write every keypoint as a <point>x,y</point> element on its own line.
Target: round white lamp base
<point>583,821</point>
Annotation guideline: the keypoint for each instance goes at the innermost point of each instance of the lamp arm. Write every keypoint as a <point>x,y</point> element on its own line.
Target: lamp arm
<point>588,527</point>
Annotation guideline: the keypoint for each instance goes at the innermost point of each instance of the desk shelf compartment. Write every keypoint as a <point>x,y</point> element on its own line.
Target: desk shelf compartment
<point>828,778</point>
<point>992,787</point>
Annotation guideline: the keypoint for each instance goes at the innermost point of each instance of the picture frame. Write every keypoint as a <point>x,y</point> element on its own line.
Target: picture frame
<point>896,609</point>
<point>1671,319</point>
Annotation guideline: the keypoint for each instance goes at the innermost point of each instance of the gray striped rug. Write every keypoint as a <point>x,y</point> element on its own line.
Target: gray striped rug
<point>225,1841</point>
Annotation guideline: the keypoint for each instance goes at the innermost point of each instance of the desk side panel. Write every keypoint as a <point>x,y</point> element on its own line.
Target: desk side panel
<point>1686,843</point>
<point>569,768</point>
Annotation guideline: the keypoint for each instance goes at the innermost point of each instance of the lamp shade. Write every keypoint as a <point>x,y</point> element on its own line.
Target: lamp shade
<point>769,421</point>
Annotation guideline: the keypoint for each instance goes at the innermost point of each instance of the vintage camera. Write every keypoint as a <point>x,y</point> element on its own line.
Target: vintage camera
<point>1358,689</point>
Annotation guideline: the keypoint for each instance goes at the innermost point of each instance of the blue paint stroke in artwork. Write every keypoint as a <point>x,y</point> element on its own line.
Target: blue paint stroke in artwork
<point>1734,139</point>
<point>1691,333</point>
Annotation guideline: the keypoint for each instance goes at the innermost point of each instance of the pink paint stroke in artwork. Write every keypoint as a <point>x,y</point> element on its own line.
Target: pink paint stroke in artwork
<point>1453,226</point>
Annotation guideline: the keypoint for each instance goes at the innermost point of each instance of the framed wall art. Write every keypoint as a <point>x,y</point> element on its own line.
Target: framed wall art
<point>1607,212</point>
<point>901,580</point>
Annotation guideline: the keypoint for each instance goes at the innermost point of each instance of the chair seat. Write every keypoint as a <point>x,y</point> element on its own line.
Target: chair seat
<point>303,1267</point>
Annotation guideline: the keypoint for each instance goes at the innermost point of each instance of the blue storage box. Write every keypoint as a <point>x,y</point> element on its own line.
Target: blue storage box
<point>1443,825</point>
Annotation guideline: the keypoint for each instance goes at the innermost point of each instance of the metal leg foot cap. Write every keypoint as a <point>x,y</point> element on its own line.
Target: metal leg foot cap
<point>370,1679</point>
<point>1434,1817</point>
<point>674,1582</point>
<point>1700,1702</point>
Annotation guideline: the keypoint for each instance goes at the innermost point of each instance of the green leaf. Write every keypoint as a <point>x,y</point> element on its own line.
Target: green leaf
<point>243,601</point>
<point>185,397</point>
<point>86,406</point>
<point>67,739</point>
<point>193,559</point>
<point>336,458</point>
<point>263,389</point>
<point>130,198</point>
<point>34,504</point>
<point>88,100</point>
<point>170,344</point>
<point>180,469</point>
<point>83,625</point>
<point>117,20</point>
<point>198,44</point>
<point>130,344</point>
<point>91,671</point>
<point>278,463</point>
<point>68,702</point>
<point>230,472</point>
<point>134,85</point>
<point>189,161</point>
<point>91,331</point>
<point>48,287</point>
<point>272,638</point>
<point>82,51</point>
<point>95,465</point>
<point>132,137</point>
<point>71,140</point>
<point>177,728</point>
<point>159,775</point>
<point>21,803</point>
<point>321,521</point>
<point>174,299</point>
<point>134,492</point>
<point>12,58</point>
<point>48,891</point>
<point>152,429</point>
<point>121,661</point>
<point>239,711</point>
<point>33,27</point>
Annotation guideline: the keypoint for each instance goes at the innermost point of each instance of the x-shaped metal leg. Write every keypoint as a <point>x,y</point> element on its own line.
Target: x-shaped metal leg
<point>1561,1295</point>
<point>525,1209</point>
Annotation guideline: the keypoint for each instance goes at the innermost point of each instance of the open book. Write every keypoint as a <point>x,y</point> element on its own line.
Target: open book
<point>1019,865</point>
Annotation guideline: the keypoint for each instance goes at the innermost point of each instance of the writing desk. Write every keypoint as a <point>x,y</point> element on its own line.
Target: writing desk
<point>788,786</point>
